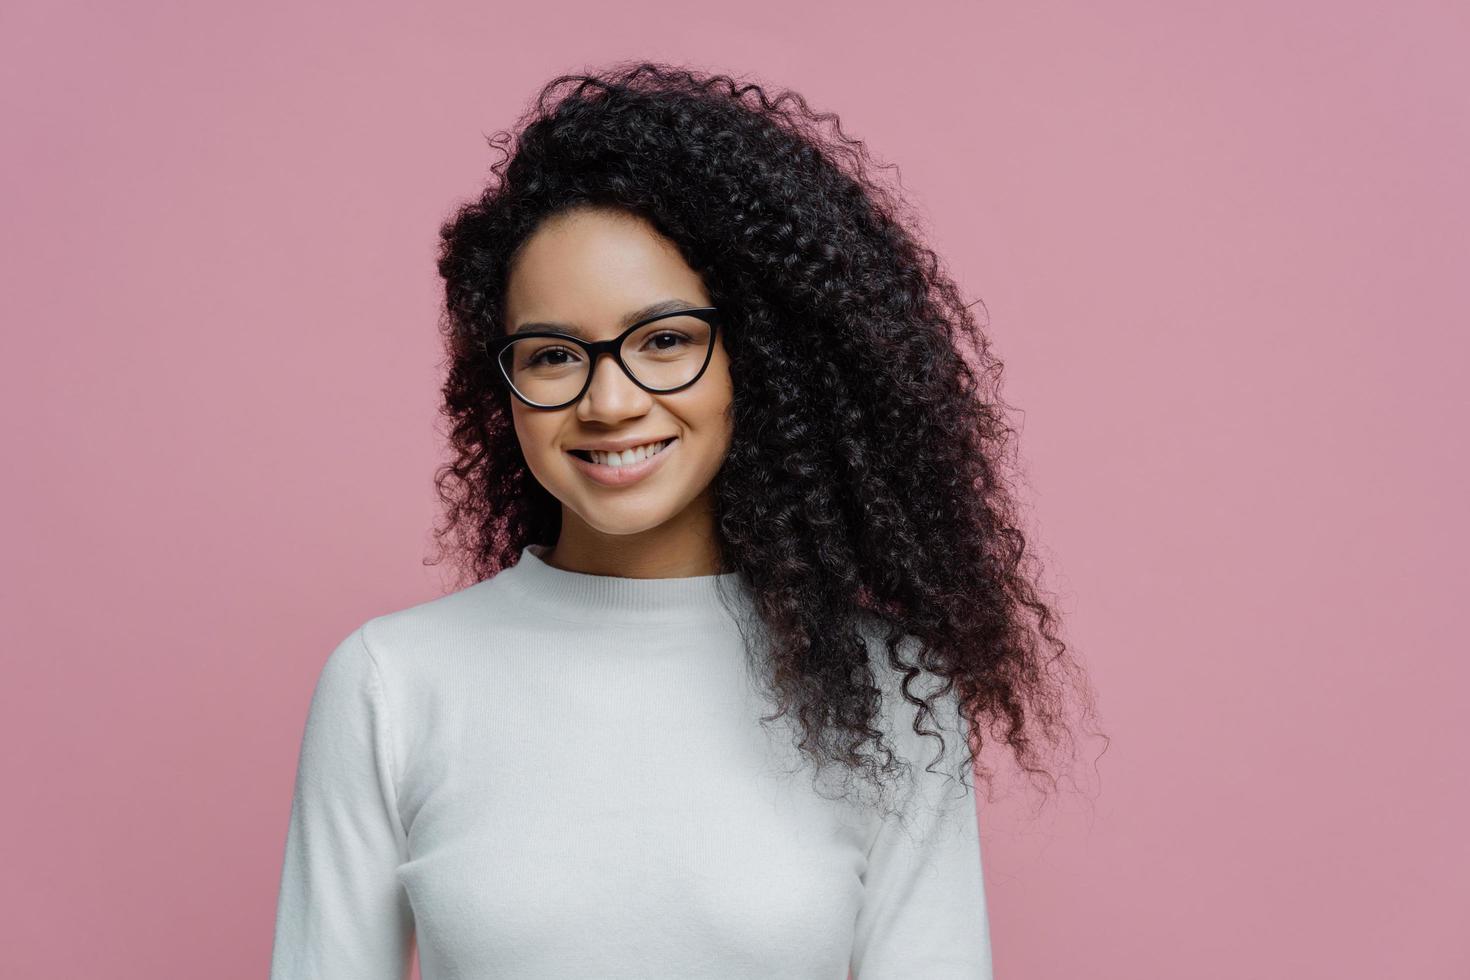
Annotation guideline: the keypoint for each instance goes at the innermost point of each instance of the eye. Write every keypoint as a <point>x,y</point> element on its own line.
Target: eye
<point>676,338</point>
<point>544,357</point>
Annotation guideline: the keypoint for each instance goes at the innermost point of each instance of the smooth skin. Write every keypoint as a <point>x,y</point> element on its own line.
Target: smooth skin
<point>592,268</point>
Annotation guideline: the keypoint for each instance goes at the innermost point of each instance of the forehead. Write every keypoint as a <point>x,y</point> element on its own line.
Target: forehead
<point>591,268</point>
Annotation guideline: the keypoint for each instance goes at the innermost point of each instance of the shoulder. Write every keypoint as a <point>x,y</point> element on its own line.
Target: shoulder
<point>898,714</point>
<point>418,638</point>
<point>891,668</point>
<point>413,624</point>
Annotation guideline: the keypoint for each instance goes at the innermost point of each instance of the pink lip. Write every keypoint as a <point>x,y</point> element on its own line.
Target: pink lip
<point>621,476</point>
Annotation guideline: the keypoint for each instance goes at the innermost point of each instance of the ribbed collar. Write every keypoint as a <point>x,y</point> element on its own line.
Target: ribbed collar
<point>582,597</point>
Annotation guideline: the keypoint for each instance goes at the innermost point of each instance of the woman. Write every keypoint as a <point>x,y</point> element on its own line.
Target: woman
<point>765,532</point>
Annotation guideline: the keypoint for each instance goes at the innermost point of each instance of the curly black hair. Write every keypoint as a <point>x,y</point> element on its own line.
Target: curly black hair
<point>864,492</point>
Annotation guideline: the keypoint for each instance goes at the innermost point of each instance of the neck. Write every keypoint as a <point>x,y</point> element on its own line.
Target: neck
<point>682,547</point>
<point>558,593</point>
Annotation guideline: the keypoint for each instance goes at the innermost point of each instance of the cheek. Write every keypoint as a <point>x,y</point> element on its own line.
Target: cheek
<point>716,390</point>
<point>716,413</point>
<point>726,407</point>
<point>536,439</point>
<point>523,433</point>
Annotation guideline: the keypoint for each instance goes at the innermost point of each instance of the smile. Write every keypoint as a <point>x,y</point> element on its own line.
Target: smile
<point>620,469</point>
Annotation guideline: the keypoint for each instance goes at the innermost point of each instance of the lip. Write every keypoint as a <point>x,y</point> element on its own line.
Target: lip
<point>621,476</point>
<point>618,445</point>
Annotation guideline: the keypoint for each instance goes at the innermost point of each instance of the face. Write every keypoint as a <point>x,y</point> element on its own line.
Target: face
<point>592,269</point>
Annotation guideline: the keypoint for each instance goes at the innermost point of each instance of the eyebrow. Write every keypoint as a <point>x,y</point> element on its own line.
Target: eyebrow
<point>652,309</point>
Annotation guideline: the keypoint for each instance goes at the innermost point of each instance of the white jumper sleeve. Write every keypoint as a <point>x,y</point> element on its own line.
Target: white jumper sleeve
<point>341,912</point>
<point>924,910</point>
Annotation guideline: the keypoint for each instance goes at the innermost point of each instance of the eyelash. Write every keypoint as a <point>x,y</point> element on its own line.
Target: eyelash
<point>551,350</point>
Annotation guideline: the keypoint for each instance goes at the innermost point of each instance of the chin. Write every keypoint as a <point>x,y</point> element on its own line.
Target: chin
<point>603,520</point>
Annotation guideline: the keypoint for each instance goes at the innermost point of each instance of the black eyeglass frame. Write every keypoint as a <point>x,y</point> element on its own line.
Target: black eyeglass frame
<point>613,347</point>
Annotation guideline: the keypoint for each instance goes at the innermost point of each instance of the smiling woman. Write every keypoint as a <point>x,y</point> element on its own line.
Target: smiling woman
<point>729,496</point>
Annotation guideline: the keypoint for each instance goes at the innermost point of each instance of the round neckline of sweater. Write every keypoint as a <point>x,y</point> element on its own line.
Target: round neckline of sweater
<point>588,598</point>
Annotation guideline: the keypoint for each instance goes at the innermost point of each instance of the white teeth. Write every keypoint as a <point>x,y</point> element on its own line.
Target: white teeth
<point>627,456</point>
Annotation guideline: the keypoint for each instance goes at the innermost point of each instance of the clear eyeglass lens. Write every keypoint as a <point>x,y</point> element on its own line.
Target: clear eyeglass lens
<point>663,354</point>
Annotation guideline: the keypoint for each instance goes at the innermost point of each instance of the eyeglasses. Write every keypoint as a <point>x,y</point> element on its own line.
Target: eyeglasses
<point>662,354</point>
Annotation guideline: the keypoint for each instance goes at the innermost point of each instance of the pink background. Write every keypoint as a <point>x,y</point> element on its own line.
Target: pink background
<point>1224,250</point>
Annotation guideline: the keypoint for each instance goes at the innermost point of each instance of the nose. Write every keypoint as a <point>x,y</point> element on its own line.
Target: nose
<point>612,395</point>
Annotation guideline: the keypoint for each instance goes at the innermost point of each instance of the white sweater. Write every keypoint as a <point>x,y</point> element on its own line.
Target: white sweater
<point>551,774</point>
